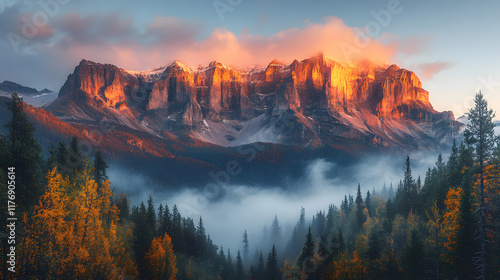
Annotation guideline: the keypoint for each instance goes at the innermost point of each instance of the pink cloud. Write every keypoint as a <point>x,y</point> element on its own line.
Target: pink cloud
<point>412,46</point>
<point>332,37</point>
<point>167,39</point>
<point>428,70</point>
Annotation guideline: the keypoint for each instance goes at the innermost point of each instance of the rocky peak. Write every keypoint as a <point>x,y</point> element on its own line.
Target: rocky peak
<point>176,95</point>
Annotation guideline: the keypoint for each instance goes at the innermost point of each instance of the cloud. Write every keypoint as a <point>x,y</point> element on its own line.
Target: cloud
<point>427,71</point>
<point>113,38</point>
<point>413,45</point>
<point>94,29</point>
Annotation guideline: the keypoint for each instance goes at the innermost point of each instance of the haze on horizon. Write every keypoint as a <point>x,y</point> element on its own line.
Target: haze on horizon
<point>449,45</point>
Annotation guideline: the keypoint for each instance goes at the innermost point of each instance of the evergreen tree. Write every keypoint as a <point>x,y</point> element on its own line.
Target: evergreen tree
<point>123,207</point>
<point>260,272</point>
<point>201,238</point>
<point>100,166</point>
<point>240,273</point>
<point>414,257</point>
<point>51,161</point>
<point>165,224</point>
<point>407,193</point>
<point>75,158</point>
<point>376,242</point>
<point>466,229</point>
<point>142,238</point>
<point>479,134</point>
<point>307,251</point>
<point>151,217</point>
<point>344,206</point>
<point>275,231</point>
<point>453,168</point>
<point>272,268</point>
<point>23,152</point>
<point>62,158</point>
<point>360,216</point>
<point>177,233</point>
<point>368,204</point>
<point>245,246</point>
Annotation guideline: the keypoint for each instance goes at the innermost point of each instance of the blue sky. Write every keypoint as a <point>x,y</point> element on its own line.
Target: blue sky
<point>453,46</point>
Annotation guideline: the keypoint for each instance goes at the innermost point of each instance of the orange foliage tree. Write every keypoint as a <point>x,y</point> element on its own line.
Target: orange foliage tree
<point>161,260</point>
<point>69,236</point>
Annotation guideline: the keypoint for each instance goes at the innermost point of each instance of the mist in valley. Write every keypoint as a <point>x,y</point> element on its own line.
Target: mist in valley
<point>230,210</point>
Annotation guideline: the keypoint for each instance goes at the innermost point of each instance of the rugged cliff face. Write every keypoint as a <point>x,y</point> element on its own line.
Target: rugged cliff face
<point>313,102</point>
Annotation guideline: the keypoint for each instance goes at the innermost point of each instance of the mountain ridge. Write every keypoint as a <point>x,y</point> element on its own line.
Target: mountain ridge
<point>313,102</point>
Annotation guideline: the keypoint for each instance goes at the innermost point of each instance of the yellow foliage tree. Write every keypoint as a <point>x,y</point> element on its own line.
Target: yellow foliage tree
<point>451,223</point>
<point>161,260</point>
<point>67,238</point>
<point>346,267</point>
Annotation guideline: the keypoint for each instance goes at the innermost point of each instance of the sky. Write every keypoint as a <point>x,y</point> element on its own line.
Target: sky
<point>453,46</point>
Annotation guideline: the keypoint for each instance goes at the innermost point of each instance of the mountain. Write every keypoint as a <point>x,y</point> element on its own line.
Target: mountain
<point>30,95</point>
<point>11,87</point>
<point>174,121</point>
<point>313,103</point>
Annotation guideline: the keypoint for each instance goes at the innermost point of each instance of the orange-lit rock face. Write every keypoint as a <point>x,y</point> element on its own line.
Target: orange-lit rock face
<point>219,91</point>
<point>176,87</point>
<point>312,102</point>
<point>105,82</point>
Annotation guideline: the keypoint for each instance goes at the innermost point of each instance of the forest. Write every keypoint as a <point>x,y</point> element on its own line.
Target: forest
<point>72,225</point>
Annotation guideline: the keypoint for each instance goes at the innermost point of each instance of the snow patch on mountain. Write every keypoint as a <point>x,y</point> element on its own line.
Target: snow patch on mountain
<point>232,133</point>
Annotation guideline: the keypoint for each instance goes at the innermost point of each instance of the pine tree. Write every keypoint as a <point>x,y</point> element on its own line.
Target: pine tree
<point>368,203</point>
<point>360,216</point>
<point>62,158</point>
<point>465,244</point>
<point>376,242</point>
<point>201,239</point>
<point>275,231</point>
<point>272,269</point>
<point>245,245</point>
<point>344,206</point>
<point>151,215</point>
<point>414,256</point>
<point>100,166</point>
<point>260,272</point>
<point>480,135</point>
<point>123,207</point>
<point>23,152</point>
<point>407,193</point>
<point>165,224</point>
<point>75,158</point>
<point>307,251</point>
<point>240,273</point>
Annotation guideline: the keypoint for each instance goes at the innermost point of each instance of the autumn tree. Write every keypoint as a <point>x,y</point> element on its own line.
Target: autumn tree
<point>160,259</point>
<point>434,225</point>
<point>69,229</point>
